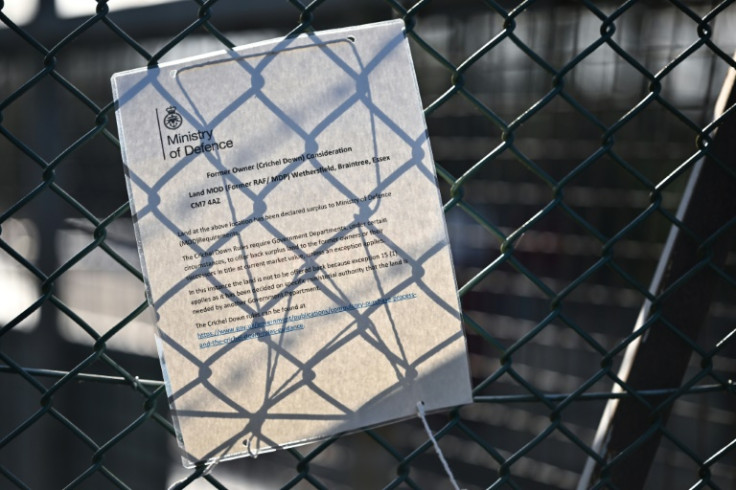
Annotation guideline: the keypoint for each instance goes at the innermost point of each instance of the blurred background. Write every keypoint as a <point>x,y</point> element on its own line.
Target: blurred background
<point>563,142</point>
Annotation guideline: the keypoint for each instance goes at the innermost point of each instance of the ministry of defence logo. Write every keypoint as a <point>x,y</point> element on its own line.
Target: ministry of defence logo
<point>172,119</point>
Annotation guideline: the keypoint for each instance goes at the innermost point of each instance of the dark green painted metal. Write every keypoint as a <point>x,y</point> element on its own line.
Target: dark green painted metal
<point>151,392</point>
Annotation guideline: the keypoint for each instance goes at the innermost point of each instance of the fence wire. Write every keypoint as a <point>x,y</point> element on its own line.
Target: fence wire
<point>566,135</point>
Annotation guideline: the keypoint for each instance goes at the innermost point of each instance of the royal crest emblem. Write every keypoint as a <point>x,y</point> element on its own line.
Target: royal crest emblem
<point>172,119</point>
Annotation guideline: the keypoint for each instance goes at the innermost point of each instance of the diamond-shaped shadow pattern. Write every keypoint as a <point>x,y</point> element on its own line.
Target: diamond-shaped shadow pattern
<point>588,190</point>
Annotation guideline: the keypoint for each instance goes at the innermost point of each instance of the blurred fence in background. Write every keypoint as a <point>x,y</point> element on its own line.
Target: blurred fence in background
<point>566,135</point>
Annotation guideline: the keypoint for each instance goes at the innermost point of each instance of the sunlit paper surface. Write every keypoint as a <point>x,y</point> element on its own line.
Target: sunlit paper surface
<point>292,240</point>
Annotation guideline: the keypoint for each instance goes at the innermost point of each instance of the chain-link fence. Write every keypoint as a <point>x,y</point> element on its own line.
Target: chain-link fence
<point>588,190</point>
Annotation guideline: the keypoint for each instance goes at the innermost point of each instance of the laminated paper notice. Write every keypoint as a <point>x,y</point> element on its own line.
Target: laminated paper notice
<point>292,240</point>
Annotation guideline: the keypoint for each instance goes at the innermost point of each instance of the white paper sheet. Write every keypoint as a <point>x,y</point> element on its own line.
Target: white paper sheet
<point>292,239</point>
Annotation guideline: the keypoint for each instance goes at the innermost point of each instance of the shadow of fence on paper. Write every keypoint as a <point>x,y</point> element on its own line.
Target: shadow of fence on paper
<point>291,315</point>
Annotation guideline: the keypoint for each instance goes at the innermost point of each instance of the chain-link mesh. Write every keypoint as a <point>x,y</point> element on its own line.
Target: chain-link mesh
<point>566,135</point>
